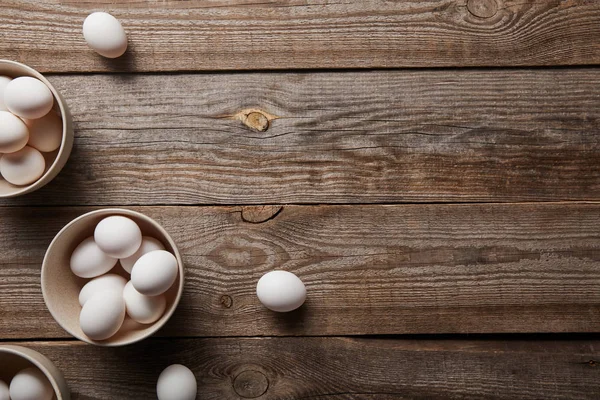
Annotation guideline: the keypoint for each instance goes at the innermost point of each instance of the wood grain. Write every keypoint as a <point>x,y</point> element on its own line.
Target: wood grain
<point>370,137</point>
<point>336,368</point>
<point>413,269</point>
<point>284,34</point>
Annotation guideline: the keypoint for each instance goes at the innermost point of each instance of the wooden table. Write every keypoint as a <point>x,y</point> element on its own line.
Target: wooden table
<point>430,169</point>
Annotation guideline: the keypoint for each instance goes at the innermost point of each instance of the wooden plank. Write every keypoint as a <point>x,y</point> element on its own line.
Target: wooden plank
<point>414,269</point>
<point>284,34</point>
<point>401,136</point>
<point>336,368</point>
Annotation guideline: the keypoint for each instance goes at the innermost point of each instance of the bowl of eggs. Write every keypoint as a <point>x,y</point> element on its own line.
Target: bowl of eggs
<point>112,277</point>
<point>26,374</point>
<point>36,130</point>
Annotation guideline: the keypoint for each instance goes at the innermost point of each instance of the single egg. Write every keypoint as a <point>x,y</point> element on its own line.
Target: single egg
<point>154,272</point>
<point>88,261</point>
<point>141,308</point>
<point>30,384</point>
<point>4,391</point>
<point>148,244</point>
<point>45,134</point>
<point>101,284</point>
<point>105,34</point>
<point>22,167</point>
<point>27,97</point>
<point>176,382</point>
<point>118,236</point>
<point>281,291</point>
<point>102,315</point>
<point>3,82</point>
<point>14,134</point>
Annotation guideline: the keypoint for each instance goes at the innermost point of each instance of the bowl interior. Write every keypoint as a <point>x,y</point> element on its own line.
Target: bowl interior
<point>54,160</point>
<point>61,287</point>
<point>12,362</point>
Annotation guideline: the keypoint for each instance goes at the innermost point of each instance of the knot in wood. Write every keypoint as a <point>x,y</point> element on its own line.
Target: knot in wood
<point>482,8</point>
<point>226,301</point>
<point>260,214</point>
<point>258,121</point>
<point>250,384</point>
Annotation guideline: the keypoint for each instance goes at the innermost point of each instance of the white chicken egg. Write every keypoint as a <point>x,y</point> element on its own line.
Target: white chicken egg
<point>27,97</point>
<point>141,308</point>
<point>22,167</point>
<point>102,315</point>
<point>118,236</point>
<point>176,382</point>
<point>14,134</point>
<point>3,82</point>
<point>30,384</point>
<point>101,284</point>
<point>88,261</point>
<point>154,272</point>
<point>148,244</point>
<point>281,291</point>
<point>4,391</point>
<point>105,34</point>
<point>45,134</point>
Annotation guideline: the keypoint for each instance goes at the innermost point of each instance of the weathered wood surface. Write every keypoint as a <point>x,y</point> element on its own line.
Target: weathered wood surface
<point>284,34</point>
<point>370,137</point>
<point>413,269</point>
<point>336,368</point>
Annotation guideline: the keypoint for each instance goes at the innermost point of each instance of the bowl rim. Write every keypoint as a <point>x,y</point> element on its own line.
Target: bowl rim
<point>66,143</point>
<point>129,213</point>
<point>25,352</point>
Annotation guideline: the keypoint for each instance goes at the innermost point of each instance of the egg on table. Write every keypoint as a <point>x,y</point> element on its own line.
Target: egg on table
<point>176,382</point>
<point>3,82</point>
<point>141,308</point>
<point>148,244</point>
<point>14,134</point>
<point>281,291</point>
<point>154,272</point>
<point>118,236</point>
<point>102,315</point>
<point>27,97</point>
<point>4,391</point>
<point>45,134</point>
<point>30,384</point>
<point>22,167</point>
<point>105,34</point>
<point>101,284</point>
<point>89,261</point>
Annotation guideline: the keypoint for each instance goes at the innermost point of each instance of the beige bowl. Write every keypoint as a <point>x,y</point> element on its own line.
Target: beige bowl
<point>15,358</point>
<point>61,287</point>
<point>56,160</point>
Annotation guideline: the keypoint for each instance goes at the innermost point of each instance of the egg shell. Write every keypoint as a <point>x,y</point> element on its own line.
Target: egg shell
<point>3,82</point>
<point>141,308</point>
<point>14,133</point>
<point>281,291</point>
<point>22,167</point>
<point>101,284</point>
<point>105,34</point>
<point>154,272</point>
<point>88,261</point>
<point>30,384</point>
<point>118,236</point>
<point>102,315</point>
<point>148,244</point>
<point>176,382</point>
<point>45,134</point>
<point>4,391</point>
<point>27,97</point>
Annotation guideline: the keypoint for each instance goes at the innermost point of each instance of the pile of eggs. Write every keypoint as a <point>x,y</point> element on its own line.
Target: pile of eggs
<point>28,127</point>
<point>29,383</point>
<point>108,297</point>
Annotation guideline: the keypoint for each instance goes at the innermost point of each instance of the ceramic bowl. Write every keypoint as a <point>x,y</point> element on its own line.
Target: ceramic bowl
<point>56,160</point>
<point>15,358</point>
<point>61,287</point>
